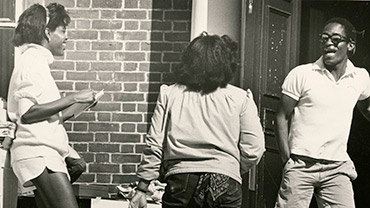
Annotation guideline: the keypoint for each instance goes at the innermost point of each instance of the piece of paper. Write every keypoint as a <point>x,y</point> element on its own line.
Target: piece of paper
<point>76,109</point>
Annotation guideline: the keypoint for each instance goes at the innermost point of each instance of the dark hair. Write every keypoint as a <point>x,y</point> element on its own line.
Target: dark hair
<point>32,23</point>
<point>349,29</point>
<point>208,62</point>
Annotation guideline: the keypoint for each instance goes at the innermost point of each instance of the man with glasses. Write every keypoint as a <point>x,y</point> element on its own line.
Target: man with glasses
<point>314,119</point>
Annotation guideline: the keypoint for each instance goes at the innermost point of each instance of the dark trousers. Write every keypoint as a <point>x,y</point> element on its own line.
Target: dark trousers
<point>181,191</point>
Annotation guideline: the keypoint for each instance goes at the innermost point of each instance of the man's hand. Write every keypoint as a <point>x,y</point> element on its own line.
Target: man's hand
<point>139,200</point>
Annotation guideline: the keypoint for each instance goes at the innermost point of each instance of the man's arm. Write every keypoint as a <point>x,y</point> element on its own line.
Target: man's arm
<point>364,107</point>
<point>283,116</point>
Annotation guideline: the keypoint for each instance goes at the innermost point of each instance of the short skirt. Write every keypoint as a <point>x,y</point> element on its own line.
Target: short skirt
<point>31,168</point>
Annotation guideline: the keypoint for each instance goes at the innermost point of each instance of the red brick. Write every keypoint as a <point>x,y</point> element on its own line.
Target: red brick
<point>62,65</point>
<point>82,55</point>
<point>103,127</point>
<point>129,56</point>
<point>126,168</point>
<point>156,36</point>
<point>80,137</point>
<point>66,3</point>
<point>86,116</point>
<point>79,126</point>
<point>106,24</point>
<point>127,148</point>
<point>125,138</point>
<point>107,107</point>
<point>104,117</point>
<point>163,4</point>
<point>103,168</point>
<point>128,127</point>
<point>145,25</point>
<point>126,107</point>
<point>131,4</point>
<point>128,97</point>
<point>89,157</point>
<point>145,107</point>
<point>177,36</point>
<point>83,3</point>
<point>106,56</point>
<point>129,77</point>
<point>149,87</point>
<point>158,46</point>
<point>156,15</point>
<point>126,158</point>
<point>177,15</point>
<point>142,128</point>
<point>105,76</point>
<point>105,66</point>
<point>131,25</point>
<point>125,178</point>
<point>103,157</point>
<point>102,137</point>
<point>182,4</point>
<point>130,67</point>
<point>103,178</point>
<point>125,117</point>
<point>80,147</point>
<point>161,26</point>
<point>83,35</point>
<point>132,14</point>
<point>81,85</point>
<point>83,45</point>
<point>172,57</point>
<point>180,47</point>
<point>144,67</point>
<point>106,35</point>
<point>82,66</point>
<point>130,87</point>
<point>155,57</point>
<point>107,14</point>
<point>132,46</point>
<point>180,26</point>
<point>68,126</point>
<point>100,147</point>
<point>131,35</point>
<point>83,13</point>
<point>58,75</point>
<point>87,178</point>
<point>83,24</point>
<point>81,75</point>
<point>107,3</point>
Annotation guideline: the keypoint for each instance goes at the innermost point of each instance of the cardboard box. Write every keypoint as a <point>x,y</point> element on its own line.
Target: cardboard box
<point>104,203</point>
<point>90,191</point>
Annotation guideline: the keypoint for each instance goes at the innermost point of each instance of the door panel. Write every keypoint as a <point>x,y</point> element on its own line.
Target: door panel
<point>270,51</point>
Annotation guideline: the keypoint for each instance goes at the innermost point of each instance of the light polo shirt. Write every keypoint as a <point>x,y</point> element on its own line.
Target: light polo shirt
<point>321,120</point>
<point>32,83</point>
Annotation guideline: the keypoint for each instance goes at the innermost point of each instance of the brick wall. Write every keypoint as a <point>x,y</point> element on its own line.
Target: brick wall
<point>128,48</point>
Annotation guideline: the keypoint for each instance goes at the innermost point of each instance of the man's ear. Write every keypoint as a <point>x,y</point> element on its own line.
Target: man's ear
<point>47,34</point>
<point>351,46</point>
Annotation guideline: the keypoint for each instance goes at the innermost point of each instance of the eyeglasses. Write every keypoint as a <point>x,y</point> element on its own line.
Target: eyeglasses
<point>335,39</point>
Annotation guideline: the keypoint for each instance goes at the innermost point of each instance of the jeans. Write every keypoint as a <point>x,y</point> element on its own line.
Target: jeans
<point>181,191</point>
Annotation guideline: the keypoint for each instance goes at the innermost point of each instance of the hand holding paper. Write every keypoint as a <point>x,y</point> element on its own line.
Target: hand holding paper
<point>83,103</point>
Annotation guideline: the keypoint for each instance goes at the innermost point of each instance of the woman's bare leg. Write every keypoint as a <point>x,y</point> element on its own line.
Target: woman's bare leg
<point>55,189</point>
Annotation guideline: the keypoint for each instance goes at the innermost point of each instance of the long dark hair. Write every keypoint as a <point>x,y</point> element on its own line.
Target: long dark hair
<point>32,23</point>
<point>208,62</point>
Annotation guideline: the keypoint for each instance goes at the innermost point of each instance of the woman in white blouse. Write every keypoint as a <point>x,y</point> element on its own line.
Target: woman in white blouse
<point>34,103</point>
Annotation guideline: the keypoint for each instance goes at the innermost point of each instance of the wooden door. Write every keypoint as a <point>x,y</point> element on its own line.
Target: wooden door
<point>270,50</point>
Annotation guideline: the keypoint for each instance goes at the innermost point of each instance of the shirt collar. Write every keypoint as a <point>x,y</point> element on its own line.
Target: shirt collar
<point>319,65</point>
<point>40,50</point>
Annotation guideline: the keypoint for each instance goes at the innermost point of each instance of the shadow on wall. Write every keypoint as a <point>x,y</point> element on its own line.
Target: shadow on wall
<point>170,26</point>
